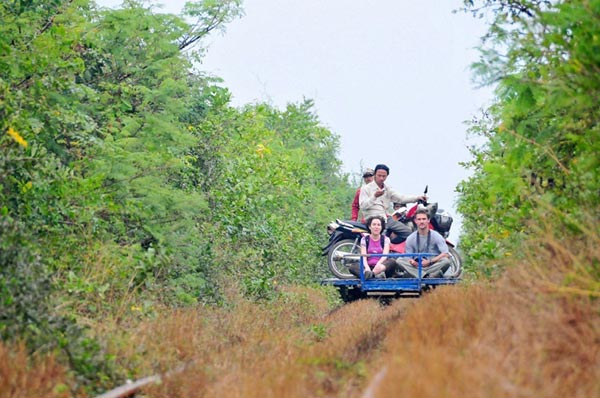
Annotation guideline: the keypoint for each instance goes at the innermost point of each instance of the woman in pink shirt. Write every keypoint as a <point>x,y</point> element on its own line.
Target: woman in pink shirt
<point>374,243</point>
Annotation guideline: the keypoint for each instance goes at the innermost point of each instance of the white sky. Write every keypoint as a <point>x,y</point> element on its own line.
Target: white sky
<point>390,77</point>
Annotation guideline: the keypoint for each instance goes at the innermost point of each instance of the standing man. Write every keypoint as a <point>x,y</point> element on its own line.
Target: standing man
<point>367,178</point>
<point>375,198</point>
<point>425,240</point>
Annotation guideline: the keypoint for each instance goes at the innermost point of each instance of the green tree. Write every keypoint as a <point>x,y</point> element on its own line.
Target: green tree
<point>128,182</point>
<point>542,136</point>
<point>94,144</point>
<point>270,191</point>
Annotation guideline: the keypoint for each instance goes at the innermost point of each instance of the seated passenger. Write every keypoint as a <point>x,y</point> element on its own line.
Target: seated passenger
<point>374,243</point>
<point>425,240</point>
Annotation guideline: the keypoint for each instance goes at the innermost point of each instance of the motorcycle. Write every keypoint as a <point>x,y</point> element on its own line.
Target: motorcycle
<point>343,248</point>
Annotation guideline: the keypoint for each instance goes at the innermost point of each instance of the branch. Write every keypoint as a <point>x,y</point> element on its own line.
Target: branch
<point>192,37</point>
<point>547,150</point>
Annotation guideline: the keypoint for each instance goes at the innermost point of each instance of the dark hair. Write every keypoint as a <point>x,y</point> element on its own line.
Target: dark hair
<point>382,167</point>
<point>422,211</point>
<point>370,220</point>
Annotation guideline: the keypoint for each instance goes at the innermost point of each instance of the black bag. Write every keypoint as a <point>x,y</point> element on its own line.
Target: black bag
<point>444,222</point>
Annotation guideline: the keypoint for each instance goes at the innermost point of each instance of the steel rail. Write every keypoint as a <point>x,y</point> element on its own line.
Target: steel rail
<point>132,387</point>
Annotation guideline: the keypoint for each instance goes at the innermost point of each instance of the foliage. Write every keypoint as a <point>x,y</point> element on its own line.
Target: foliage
<point>24,376</point>
<point>128,182</point>
<point>129,187</point>
<point>529,333</point>
<point>209,15</point>
<point>542,135</point>
<point>269,195</point>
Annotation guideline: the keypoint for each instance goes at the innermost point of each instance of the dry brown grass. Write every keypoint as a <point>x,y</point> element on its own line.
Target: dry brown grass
<point>533,333</point>
<point>293,347</point>
<point>494,343</point>
<point>24,377</point>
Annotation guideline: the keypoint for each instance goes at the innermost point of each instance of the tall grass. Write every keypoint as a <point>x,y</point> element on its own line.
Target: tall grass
<point>293,346</point>
<point>22,376</point>
<point>535,332</point>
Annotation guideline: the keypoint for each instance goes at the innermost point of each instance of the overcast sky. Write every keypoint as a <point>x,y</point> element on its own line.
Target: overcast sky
<point>390,77</point>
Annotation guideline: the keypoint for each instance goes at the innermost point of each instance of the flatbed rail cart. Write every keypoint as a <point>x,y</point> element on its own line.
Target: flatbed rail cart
<point>357,288</point>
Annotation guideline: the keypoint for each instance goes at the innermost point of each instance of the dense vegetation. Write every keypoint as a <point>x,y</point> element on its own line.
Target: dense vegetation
<point>539,167</point>
<point>145,222</point>
<point>128,182</point>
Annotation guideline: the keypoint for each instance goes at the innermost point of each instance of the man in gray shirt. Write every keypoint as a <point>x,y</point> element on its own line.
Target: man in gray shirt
<point>425,240</point>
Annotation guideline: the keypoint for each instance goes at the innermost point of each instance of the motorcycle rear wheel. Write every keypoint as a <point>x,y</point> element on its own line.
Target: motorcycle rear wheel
<point>338,261</point>
<point>455,269</point>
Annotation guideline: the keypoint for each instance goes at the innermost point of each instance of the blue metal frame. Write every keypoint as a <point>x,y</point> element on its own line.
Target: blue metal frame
<point>392,284</point>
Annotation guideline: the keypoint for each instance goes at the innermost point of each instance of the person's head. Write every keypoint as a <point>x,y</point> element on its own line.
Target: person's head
<point>421,218</point>
<point>376,224</point>
<point>381,173</point>
<point>368,175</point>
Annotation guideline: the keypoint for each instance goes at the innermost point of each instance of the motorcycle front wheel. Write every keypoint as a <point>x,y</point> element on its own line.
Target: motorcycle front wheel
<point>455,269</point>
<point>341,255</point>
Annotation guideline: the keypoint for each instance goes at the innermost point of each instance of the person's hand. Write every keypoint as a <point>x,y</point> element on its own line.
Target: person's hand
<point>379,192</point>
<point>423,198</point>
<point>425,262</point>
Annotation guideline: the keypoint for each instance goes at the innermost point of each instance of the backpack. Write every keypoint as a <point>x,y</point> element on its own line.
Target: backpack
<point>381,241</point>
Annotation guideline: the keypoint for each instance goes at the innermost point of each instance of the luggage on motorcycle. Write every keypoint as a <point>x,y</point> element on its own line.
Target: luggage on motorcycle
<point>444,222</point>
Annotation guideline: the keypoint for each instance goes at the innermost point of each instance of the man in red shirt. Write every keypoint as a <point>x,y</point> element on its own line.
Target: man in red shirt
<point>367,178</point>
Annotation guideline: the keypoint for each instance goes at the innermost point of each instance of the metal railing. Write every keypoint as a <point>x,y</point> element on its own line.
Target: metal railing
<point>418,256</point>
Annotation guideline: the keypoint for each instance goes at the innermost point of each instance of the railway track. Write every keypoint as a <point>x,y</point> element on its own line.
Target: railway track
<point>355,342</point>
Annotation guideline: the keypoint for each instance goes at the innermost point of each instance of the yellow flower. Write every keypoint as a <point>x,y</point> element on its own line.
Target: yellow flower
<point>17,137</point>
<point>261,150</point>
